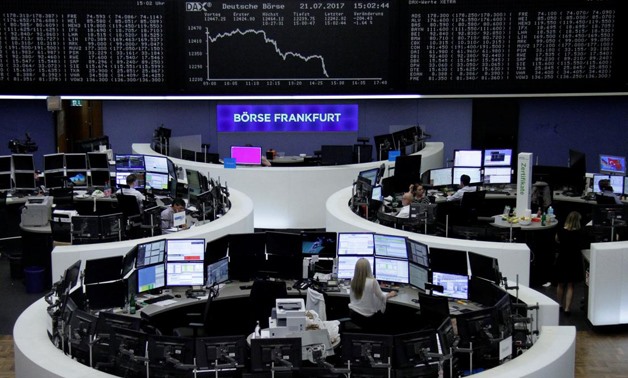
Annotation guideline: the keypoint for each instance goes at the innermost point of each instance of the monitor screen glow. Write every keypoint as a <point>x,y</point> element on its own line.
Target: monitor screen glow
<point>391,246</point>
<point>157,180</point>
<point>346,265</point>
<point>78,178</point>
<point>418,253</point>
<point>129,163</point>
<point>355,244</point>
<point>370,174</point>
<point>186,249</point>
<point>617,183</point>
<point>218,272</point>
<point>418,277</point>
<point>474,173</point>
<point>497,175</point>
<point>157,164</point>
<point>185,273</point>
<point>613,164</point>
<point>498,157</point>
<point>150,253</point>
<point>247,155</point>
<point>467,158</point>
<point>391,270</point>
<point>454,285</point>
<point>151,277</point>
<point>441,177</point>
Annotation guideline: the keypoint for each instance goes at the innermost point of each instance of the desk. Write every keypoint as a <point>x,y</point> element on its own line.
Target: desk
<point>500,222</point>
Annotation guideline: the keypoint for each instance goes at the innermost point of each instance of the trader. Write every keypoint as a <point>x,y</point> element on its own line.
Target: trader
<point>167,216</point>
<point>465,180</point>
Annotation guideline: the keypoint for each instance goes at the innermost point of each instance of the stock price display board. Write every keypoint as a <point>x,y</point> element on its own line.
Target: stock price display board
<point>288,46</point>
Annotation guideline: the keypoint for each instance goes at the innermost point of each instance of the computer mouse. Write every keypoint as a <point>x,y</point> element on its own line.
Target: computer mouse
<point>177,295</point>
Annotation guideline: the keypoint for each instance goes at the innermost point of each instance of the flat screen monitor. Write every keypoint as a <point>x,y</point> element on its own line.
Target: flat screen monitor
<point>5,163</point>
<point>157,181</point>
<point>165,350</point>
<point>188,250</point>
<point>246,255</point>
<point>346,265</point>
<point>275,351</point>
<point>128,262</point>
<point>441,177</point>
<point>408,168</point>
<point>158,164</point>
<point>216,249</point>
<point>185,273</point>
<point>54,162</point>
<point>71,276</point>
<point>418,276</point>
<point>247,155</point>
<point>475,327</point>
<point>217,272</point>
<point>376,193</point>
<point>617,183</point>
<point>106,295</point>
<point>25,181</point>
<point>497,157</point>
<point>76,161</point>
<point>358,243</point>
<point>613,164</point>
<point>497,175</point>
<point>130,163</point>
<point>151,277</point>
<point>454,285</point>
<point>418,253</point>
<point>391,246</point>
<point>467,158</point>
<point>221,350</point>
<point>151,253</point>
<point>336,154</point>
<point>98,160</point>
<point>410,350</point>
<point>448,261</point>
<point>102,270</point>
<point>474,173</point>
<point>318,243</point>
<point>188,154</point>
<point>577,161</point>
<point>283,243</point>
<point>6,182</point>
<point>77,178</point>
<point>626,186</point>
<point>23,162</point>
<point>54,180</point>
<point>364,349</point>
<point>110,227</point>
<point>370,174</point>
<point>606,215</point>
<point>484,267</point>
<point>391,270</point>
<point>100,178</point>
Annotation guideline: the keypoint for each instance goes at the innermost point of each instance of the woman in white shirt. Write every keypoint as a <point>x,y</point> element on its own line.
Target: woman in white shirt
<point>368,301</point>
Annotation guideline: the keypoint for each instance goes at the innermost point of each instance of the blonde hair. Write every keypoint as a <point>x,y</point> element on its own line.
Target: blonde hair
<point>361,272</point>
<point>573,221</point>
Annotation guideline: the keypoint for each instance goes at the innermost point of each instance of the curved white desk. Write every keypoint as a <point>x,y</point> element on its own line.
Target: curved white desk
<point>293,197</point>
<point>239,219</point>
<point>608,284</point>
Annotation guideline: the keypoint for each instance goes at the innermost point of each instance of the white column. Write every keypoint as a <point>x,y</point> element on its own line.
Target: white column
<point>524,182</point>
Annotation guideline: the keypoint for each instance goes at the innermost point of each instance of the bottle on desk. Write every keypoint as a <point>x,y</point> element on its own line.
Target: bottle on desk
<point>543,219</point>
<point>258,331</point>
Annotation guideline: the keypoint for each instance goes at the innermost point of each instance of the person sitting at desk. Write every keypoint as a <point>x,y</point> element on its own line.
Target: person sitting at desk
<point>419,196</point>
<point>406,200</point>
<point>606,190</point>
<point>367,300</point>
<point>167,216</point>
<point>465,180</point>
<point>131,191</point>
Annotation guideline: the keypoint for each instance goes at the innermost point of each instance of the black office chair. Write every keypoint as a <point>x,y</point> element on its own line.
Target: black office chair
<point>198,323</point>
<point>131,215</point>
<point>434,309</point>
<point>62,198</point>
<point>262,300</point>
<point>61,231</point>
<point>422,216</point>
<point>470,207</point>
<point>604,200</point>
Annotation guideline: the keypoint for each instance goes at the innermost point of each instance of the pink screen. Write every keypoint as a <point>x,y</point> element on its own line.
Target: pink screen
<point>247,155</point>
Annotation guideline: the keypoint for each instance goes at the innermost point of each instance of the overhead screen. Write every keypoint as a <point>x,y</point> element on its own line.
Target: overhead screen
<point>179,47</point>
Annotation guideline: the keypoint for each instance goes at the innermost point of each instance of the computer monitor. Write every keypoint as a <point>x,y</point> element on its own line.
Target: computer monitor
<point>355,243</point>
<point>434,309</point>
<point>224,351</point>
<point>391,270</point>
<point>246,155</point>
<point>367,350</point>
<point>54,162</point>
<point>370,174</point>
<point>281,352</point>
<point>128,262</point>
<point>188,250</point>
<point>185,273</point>
<point>497,175</point>
<point>151,277</point>
<point>5,163</point>
<point>122,175</point>
<point>410,349</point>
<point>418,276</point>
<point>128,162</point>
<point>53,180</point>
<point>475,327</point>
<point>376,193</point>
<point>626,186</point>
<point>498,157</point>
<point>106,294</point>
<point>6,182</point>
<point>25,181</point>
<point>246,255</point>
<point>502,315</point>
<point>85,229</point>
<point>475,174</point>
<point>336,154</point>
<point>418,253</point>
<point>484,267</point>
<point>454,285</point>
<point>441,177</point>
<point>23,162</point>
<point>391,246</point>
<point>448,261</point>
<point>318,243</point>
<point>408,168</point>
<point>151,253</point>
<point>283,244</point>
<point>102,270</point>
<point>216,249</point>
<point>76,162</point>
<point>158,181</point>
<point>446,337</point>
<point>111,227</point>
<point>217,272</point>
<point>346,265</point>
<point>617,183</point>
<point>98,160</point>
<point>156,164</point>
<point>169,351</point>
<point>188,154</point>
<point>70,278</point>
<point>613,164</point>
<point>101,178</point>
<point>77,178</point>
<point>467,158</point>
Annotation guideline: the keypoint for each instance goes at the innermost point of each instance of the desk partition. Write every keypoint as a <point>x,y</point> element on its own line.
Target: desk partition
<point>608,284</point>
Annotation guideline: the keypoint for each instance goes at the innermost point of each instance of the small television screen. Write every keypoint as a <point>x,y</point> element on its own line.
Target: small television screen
<point>157,181</point>
<point>441,177</point>
<point>185,250</point>
<point>418,276</point>
<point>130,163</point>
<point>5,163</point>
<point>54,179</point>
<point>448,261</point>
<point>346,265</point>
<point>98,160</point>
<point>467,158</point>
<point>370,174</point>
<point>157,164</point>
<point>25,181</point>
<point>391,246</point>
<point>474,173</point>
<point>358,243</point>
<point>185,273</point>
<point>418,253</point>
<point>217,272</point>
<point>613,164</point>
<point>54,162</point>
<point>497,157</point>
<point>247,155</point>
<point>454,285</point>
<point>23,162</point>
<point>497,175</point>
<point>76,162</point>
<point>151,277</point>
<point>391,270</point>
<point>318,243</point>
<point>78,178</point>
<point>151,253</point>
<point>6,181</point>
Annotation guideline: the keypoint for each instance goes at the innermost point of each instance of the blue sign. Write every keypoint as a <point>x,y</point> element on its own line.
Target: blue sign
<point>229,163</point>
<point>392,155</point>
<point>287,118</point>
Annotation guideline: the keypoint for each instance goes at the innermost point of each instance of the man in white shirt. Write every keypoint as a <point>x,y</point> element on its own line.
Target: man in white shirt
<point>406,200</point>
<point>131,191</point>
<point>465,180</point>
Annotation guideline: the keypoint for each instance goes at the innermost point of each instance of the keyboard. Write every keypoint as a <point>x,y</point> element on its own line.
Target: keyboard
<point>389,289</point>
<point>158,299</point>
<point>166,201</point>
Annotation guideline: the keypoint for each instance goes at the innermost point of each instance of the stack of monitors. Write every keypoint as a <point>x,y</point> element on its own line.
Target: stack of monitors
<point>185,262</point>
<point>5,173</point>
<point>54,171</point>
<point>497,166</point>
<point>127,164</point>
<point>98,164</point>
<point>76,169</point>
<point>151,272</point>
<point>156,172</point>
<point>24,172</point>
<point>419,263</point>
<point>391,258</point>
<point>468,162</point>
<point>352,247</point>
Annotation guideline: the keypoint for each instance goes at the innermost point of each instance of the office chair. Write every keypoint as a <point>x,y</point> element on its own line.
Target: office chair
<point>434,309</point>
<point>199,323</point>
<point>601,199</point>
<point>131,214</point>
<point>62,198</point>
<point>61,231</point>
<point>262,300</point>
<point>421,215</point>
<point>470,206</point>
<point>151,221</point>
